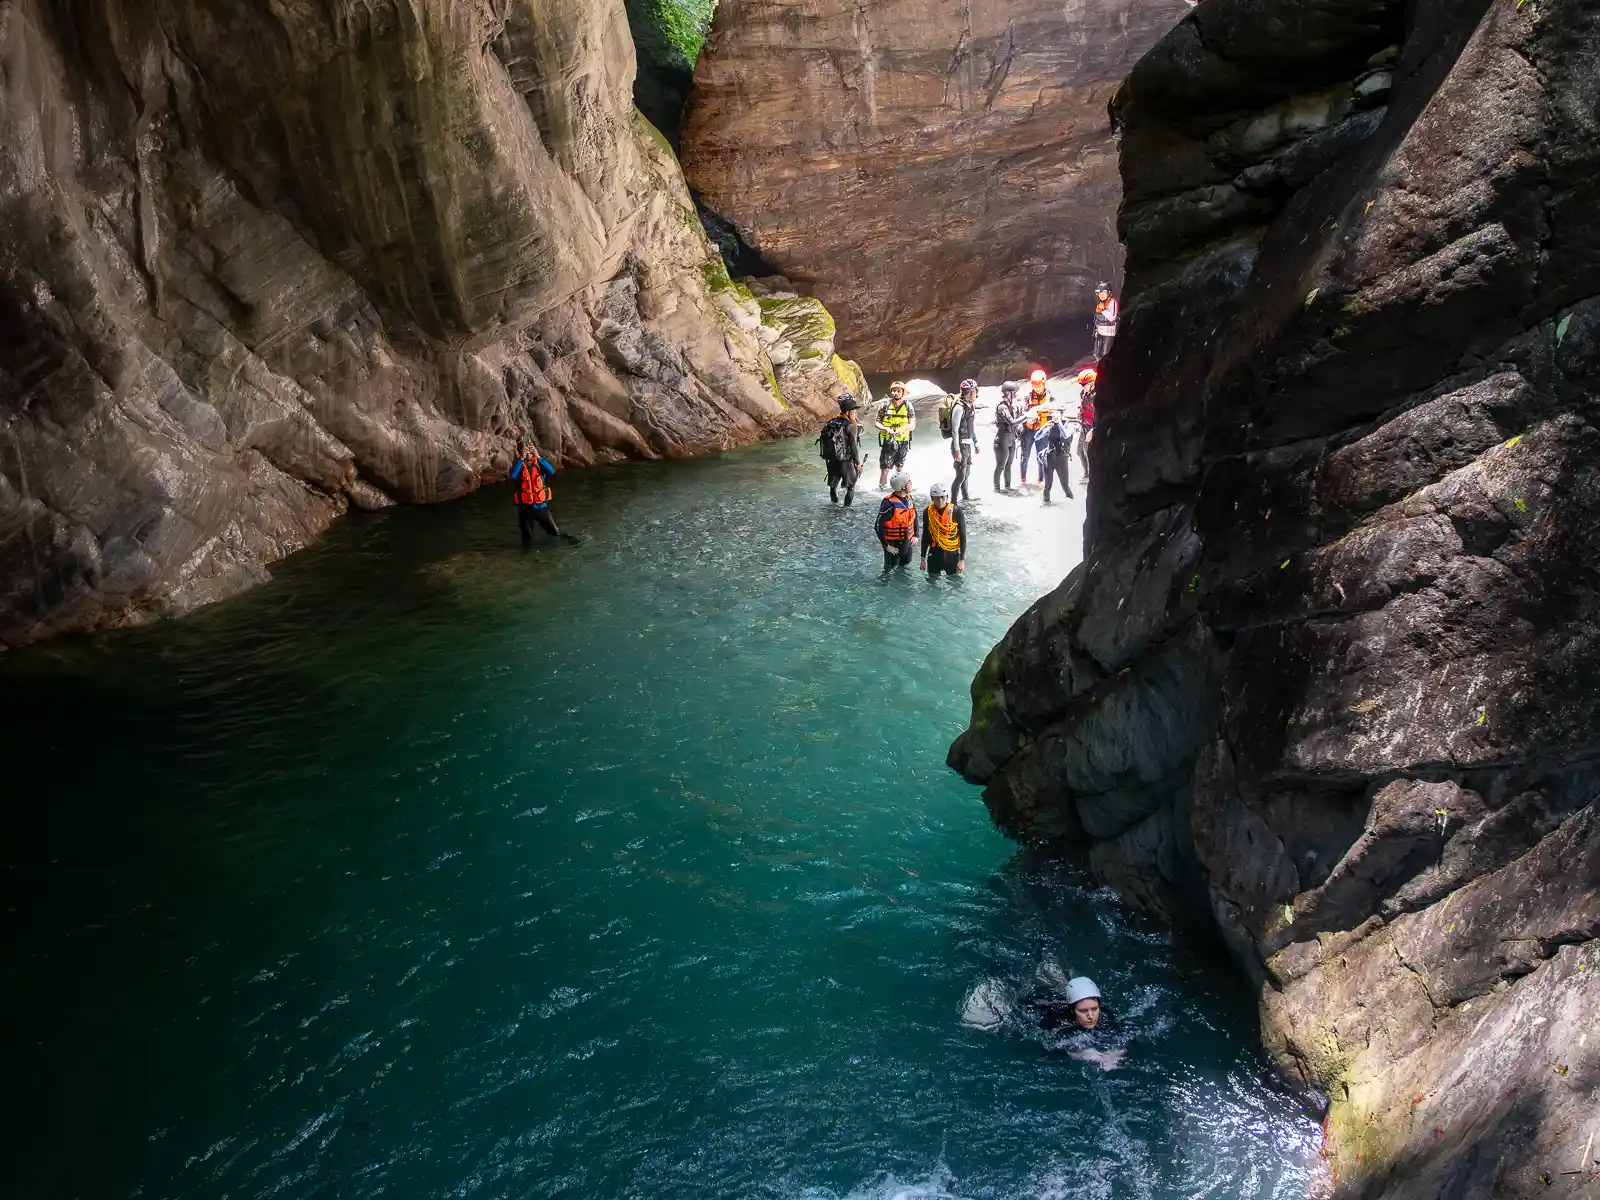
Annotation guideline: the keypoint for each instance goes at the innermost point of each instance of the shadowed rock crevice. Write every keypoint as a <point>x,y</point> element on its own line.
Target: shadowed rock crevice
<point>1337,629</point>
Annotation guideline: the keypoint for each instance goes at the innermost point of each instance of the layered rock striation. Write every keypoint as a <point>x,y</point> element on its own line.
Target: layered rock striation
<point>265,262</point>
<point>1329,678</point>
<point>941,175</point>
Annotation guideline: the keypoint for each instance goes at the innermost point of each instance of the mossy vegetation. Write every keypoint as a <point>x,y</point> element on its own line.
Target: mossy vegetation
<point>803,320</point>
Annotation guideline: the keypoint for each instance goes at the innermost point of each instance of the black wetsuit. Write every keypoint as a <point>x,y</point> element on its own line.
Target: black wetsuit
<point>940,561</point>
<point>849,471</point>
<point>1053,1016</point>
<point>1055,457</point>
<point>963,447</point>
<point>895,554</point>
<point>1005,441</point>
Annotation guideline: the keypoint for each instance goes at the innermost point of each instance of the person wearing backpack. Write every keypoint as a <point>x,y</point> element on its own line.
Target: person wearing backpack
<point>1007,421</point>
<point>944,535</point>
<point>959,425</point>
<point>841,450</point>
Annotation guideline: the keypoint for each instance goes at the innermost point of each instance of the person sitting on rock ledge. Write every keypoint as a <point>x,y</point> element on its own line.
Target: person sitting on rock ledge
<point>1085,1022</point>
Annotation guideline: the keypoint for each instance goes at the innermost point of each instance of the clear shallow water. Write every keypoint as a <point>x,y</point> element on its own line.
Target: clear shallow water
<point>439,869</point>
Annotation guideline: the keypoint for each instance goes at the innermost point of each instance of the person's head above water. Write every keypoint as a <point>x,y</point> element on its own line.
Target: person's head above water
<point>938,493</point>
<point>1084,997</point>
<point>900,482</point>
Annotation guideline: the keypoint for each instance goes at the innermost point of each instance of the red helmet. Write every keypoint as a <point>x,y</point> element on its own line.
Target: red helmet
<point>1038,377</point>
<point>1088,375</point>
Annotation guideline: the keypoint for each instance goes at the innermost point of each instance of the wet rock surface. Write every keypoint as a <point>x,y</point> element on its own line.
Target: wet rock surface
<point>267,262</point>
<point>1327,679</point>
<point>941,175</point>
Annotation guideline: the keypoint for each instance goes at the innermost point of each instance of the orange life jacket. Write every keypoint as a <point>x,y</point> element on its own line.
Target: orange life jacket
<point>530,485</point>
<point>943,527</point>
<point>1038,414</point>
<point>901,523</point>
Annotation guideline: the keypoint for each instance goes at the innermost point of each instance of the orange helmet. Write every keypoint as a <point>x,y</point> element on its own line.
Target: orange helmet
<point>1088,375</point>
<point>1038,377</point>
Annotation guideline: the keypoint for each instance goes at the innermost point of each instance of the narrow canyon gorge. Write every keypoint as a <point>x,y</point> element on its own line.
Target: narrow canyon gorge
<point>1326,681</point>
<point>1324,687</point>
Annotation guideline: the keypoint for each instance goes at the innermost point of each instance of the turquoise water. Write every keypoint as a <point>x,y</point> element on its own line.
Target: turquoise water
<point>435,868</point>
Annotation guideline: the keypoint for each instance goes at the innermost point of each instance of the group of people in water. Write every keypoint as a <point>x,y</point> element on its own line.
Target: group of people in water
<point>1030,425</point>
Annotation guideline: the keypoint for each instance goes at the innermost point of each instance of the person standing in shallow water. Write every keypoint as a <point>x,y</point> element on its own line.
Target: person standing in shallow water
<point>896,525</point>
<point>841,450</point>
<point>530,488</point>
<point>1007,420</point>
<point>964,438</point>
<point>897,421</point>
<point>944,535</point>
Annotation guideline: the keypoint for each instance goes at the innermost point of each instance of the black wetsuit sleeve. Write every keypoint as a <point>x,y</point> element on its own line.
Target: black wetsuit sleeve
<point>883,515</point>
<point>852,436</point>
<point>961,530</point>
<point>927,533</point>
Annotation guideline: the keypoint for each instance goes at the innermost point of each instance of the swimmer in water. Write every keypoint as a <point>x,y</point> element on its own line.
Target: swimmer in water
<point>1084,1019</point>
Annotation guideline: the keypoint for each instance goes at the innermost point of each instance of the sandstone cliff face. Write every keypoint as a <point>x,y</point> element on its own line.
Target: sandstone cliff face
<point>1328,675</point>
<point>941,175</point>
<point>265,261</point>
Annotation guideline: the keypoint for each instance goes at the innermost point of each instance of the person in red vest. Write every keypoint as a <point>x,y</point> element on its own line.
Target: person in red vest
<point>1087,378</point>
<point>530,488</point>
<point>1105,320</point>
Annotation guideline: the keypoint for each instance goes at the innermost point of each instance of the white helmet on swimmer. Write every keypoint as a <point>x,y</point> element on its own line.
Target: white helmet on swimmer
<point>938,492</point>
<point>899,480</point>
<point>1081,988</point>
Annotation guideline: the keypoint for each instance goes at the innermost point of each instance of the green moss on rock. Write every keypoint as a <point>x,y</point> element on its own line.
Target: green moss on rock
<point>802,320</point>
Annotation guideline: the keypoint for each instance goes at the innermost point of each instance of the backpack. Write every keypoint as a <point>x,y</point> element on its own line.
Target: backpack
<point>946,410</point>
<point>835,446</point>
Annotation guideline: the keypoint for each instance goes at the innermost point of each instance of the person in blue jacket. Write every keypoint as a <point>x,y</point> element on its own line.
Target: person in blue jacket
<point>530,488</point>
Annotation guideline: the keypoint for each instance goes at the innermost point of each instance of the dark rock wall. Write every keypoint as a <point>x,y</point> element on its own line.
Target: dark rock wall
<point>1329,679</point>
<point>265,261</point>
<point>940,174</point>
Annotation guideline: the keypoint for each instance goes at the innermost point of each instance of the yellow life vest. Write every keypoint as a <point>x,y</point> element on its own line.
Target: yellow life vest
<point>896,420</point>
<point>942,525</point>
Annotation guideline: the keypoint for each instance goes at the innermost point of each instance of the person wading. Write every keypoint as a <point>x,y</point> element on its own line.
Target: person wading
<point>1055,457</point>
<point>1007,421</point>
<point>1037,415</point>
<point>1087,379</point>
<point>944,535</point>
<point>897,523</point>
<point>1106,313</point>
<point>530,488</point>
<point>896,422</point>
<point>841,450</point>
<point>964,438</point>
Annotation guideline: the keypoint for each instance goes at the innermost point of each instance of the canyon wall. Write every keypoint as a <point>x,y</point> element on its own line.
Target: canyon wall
<point>1327,679</point>
<point>941,175</point>
<point>265,262</point>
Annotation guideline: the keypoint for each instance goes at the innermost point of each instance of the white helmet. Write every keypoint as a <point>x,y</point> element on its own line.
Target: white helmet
<point>899,480</point>
<point>938,492</point>
<point>1081,988</point>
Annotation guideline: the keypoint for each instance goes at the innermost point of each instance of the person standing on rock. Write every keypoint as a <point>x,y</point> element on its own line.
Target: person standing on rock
<point>1105,319</point>
<point>897,421</point>
<point>1054,445</point>
<point>1087,378</point>
<point>530,488</point>
<point>896,525</point>
<point>944,535</point>
<point>964,438</point>
<point>1037,415</point>
<point>1007,421</point>
<point>841,450</point>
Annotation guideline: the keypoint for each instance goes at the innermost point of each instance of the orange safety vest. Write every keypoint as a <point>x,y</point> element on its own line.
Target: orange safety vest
<point>942,525</point>
<point>1038,414</point>
<point>531,487</point>
<point>901,524</point>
